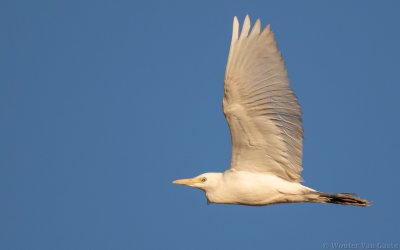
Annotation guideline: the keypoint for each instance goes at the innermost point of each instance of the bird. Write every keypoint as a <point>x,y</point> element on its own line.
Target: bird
<point>265,122</point>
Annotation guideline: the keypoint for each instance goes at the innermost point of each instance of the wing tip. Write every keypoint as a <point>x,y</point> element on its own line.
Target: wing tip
<point>245,28</point>
<point>256,28</point>
<point>235,29</point>
<point>267,29</point>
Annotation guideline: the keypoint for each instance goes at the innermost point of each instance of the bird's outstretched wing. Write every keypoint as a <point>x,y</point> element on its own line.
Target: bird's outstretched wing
<point>261,109</point>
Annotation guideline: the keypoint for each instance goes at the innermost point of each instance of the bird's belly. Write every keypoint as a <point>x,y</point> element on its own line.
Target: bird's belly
<point>245,196</point>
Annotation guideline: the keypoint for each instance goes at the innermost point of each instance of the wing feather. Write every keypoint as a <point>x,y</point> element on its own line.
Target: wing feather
<point>262,111</point>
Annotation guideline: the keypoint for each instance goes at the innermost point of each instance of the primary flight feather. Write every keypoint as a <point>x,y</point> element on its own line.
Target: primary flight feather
<point>266,129</point>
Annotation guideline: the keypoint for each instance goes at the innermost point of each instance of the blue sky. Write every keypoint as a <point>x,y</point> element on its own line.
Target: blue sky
<point>104,103</point>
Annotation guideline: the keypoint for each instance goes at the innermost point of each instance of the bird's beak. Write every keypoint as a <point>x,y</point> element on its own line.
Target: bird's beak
<point>187,182</point>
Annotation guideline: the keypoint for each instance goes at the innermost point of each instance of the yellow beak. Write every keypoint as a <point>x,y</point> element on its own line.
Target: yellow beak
<point>186,181</point>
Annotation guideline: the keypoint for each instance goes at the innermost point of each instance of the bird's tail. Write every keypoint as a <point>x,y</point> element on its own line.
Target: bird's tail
<point>343,199</point>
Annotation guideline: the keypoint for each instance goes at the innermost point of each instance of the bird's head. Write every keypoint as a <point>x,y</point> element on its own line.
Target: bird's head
<point>204,181</point>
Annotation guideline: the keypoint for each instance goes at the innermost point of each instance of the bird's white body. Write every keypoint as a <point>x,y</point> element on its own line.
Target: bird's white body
<point>252,188</point>
<point>266,129</point>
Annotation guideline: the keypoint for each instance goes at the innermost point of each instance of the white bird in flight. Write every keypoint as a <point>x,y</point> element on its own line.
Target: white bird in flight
<point>266,130</point>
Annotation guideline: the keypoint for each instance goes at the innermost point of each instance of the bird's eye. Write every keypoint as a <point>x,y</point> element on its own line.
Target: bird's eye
<point>203,179</point>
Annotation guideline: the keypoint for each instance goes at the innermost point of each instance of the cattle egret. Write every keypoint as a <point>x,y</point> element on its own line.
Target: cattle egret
<point>266,130</point>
